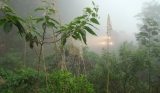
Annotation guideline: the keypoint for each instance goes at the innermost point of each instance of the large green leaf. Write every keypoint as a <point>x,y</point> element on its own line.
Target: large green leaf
<point>83,23</point>
<point>83,35</point>
<point>2,21</point>
<point>76,36</point>
<point>39,8</point>
<point>84,39</point>
<point>27,38</point>
<point>63,39</point>
<point>49,19</point>
<point>52,11</point>
<point>93,15</point>
<point>96,9</point>
<point>20,27</point>
<point>54,20</point>
<point>38,33</point>
<point>7,27</point>
<point>93,20</point>
<point>39,20</point>
<point>13,18</point>
<point>19,18</point>
<point>88,10</point>
<point>8,9</point>
<point>51,24</point>
<point>89,30</point>
<point>81,17</point>
<point>92,26</point>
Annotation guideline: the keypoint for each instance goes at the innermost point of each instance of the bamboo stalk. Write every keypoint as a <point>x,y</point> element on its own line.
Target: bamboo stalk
<point>109,29</point>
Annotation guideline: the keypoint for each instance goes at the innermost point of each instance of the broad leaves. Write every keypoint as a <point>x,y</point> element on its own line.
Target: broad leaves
<point>64,39</point>
<point>39,8</point>
<point>27,28</point>
<point>93,20</point>
<point>149,32</point>
<point>89,30</point>
<point>83,34</point>
<point>7,27</point>
<point>80,25</point>
<point>2,21</point>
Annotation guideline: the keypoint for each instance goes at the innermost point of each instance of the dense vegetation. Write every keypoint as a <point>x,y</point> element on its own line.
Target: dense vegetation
<point>133,69</point>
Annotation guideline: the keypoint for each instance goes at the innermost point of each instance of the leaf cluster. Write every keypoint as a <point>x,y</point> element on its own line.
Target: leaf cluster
<point>80,25</point>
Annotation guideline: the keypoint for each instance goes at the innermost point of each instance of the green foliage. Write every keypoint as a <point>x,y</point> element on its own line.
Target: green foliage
<point>90,30</point>
<point>23,81</point>
<point>149,33</point>
<point>94,20</point>
<point>128,71</point>
<point>63,81</point>
<point>11,18</point>
<point>7,27</point>
<point>2,21</point>
<point>11,59</point>
<point>91,56</point>
<point>148,11</point>
<point>80,25</point>
<point>150,39</point>
<point>77,28</point>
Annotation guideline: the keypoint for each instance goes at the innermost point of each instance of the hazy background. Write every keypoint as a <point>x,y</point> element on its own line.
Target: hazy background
<point>122,15</point>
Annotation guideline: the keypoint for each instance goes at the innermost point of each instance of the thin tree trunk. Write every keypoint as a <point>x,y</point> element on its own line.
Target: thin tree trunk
<point>108,64</point>
<point>24,60</point>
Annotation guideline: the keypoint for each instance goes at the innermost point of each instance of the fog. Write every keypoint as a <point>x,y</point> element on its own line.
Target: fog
<point>122,15</point>
<point>38,55</point>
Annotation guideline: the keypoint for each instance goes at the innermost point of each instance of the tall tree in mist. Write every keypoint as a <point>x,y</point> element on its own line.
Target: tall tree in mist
<point>109,29</point>
<point>149,32</point>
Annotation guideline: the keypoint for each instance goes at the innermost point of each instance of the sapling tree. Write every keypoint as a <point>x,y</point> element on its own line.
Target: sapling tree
<point>28,28</point>
<point>148,37</point>
<point>149,32</point>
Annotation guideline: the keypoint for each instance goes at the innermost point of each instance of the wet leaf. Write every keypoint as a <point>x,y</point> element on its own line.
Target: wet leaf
<point>2,21</point>
<point>27,38</point>
<point>93,20</point>
<point>92,26</point>
<point>39,20</point>
<point>63,39</point>
<point>90,30</point>
<point>52,11</point>
<point>39,8</point>
<point>7,27</point>
<point>88,10</point>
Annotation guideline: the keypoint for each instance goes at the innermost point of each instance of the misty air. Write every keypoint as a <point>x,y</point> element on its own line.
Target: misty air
<point>79,46</point>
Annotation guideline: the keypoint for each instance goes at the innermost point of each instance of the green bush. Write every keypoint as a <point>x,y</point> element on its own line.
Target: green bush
<point>24,81</point>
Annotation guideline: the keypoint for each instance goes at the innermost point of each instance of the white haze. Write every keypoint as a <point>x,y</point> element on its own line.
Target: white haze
<point>121,13</point>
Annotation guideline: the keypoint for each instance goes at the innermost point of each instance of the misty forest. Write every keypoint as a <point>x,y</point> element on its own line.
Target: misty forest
<point>41,53</point>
